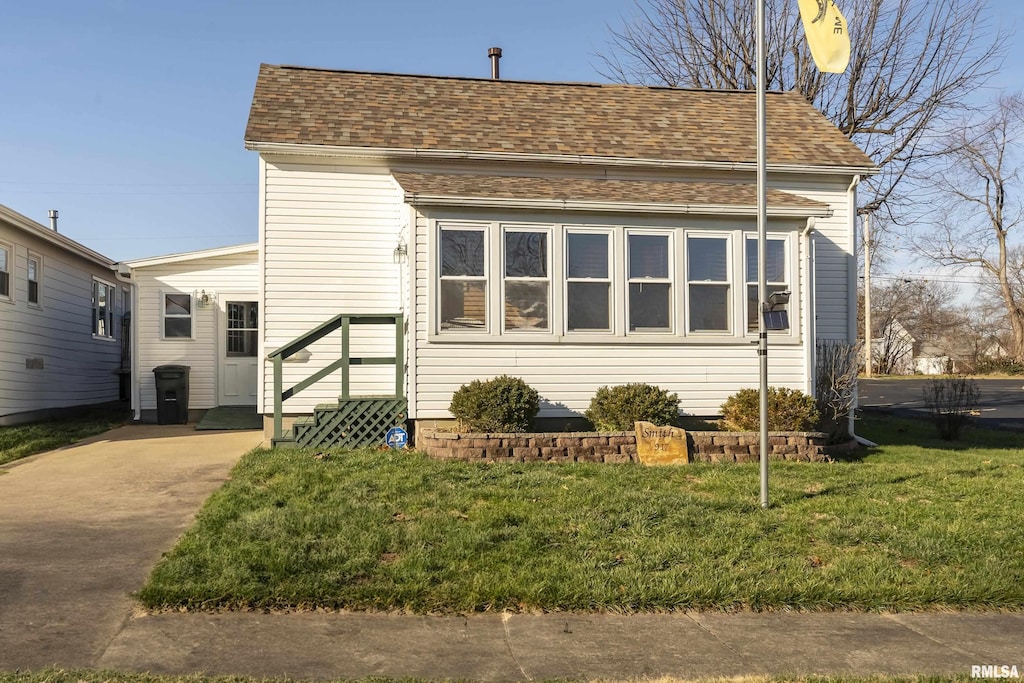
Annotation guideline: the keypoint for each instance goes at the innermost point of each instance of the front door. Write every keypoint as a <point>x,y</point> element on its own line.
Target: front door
<point>239,344</point>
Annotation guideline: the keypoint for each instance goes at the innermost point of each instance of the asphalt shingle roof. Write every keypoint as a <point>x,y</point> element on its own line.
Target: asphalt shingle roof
<point>375,110</point>
<point>598,190</point>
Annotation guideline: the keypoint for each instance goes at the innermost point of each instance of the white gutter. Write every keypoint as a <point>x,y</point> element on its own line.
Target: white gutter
<point>809,302</point>
<point>136,399</point>
<point>392,153</point>
<point>619,207</point>
<point>852,299</point>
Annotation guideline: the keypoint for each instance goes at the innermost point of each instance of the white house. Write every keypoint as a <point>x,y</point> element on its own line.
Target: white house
<point>200,310</point>
<point>62,322</point>
<point>574,235</point>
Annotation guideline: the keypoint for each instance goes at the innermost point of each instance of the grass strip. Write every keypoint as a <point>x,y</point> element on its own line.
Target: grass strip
<point>916,524</point>
<point>21,441</point>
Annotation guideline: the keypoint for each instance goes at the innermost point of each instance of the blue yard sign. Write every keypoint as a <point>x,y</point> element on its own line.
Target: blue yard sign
<point>396,438</point>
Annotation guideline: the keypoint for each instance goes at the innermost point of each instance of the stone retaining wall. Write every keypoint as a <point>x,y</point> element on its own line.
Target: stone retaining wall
<point>614,447</point>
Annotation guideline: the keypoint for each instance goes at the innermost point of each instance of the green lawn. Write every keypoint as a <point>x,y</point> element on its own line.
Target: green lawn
<point>28,439</point>
<point>88,676</point>
<point>916,524</point>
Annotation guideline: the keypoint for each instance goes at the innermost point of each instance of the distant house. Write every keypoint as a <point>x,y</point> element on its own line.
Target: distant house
<point>573,235</point>
<point>893,351</point>
<point>63,322</point>
<point>201,310</point>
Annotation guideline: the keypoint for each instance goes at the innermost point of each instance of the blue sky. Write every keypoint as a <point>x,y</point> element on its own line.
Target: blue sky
<point>128,115</point>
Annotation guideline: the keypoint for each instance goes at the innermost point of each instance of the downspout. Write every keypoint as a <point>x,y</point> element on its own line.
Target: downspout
<point>136,403</point>
<point>852,300</point>
<point>809,303</point>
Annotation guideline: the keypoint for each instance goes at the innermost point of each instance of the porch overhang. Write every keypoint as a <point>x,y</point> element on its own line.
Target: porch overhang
<point>600,195</point>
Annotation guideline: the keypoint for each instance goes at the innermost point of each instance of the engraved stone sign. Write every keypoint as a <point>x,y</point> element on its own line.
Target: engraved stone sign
<point>661,445</point>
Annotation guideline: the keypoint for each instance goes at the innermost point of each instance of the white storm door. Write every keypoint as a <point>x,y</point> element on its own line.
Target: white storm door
<point>239,344</point>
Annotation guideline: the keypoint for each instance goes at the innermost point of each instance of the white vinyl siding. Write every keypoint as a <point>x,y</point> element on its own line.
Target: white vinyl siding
<point>329,235</point>
<point>199,351</point>
<point>48,356</point>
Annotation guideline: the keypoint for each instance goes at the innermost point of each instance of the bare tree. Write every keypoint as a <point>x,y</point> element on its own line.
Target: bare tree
<point>912,64</point>
<point>905,311</point>
<point>978,210</point>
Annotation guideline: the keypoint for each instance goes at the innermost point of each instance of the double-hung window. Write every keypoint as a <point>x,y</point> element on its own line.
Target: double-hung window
<point>588,282</point>
<point>527,279</point>
<point>34,275</point>
<point>103,297</point>
<point>707,266</point>
<point>463,278</point>
<point>775,275</point>
<point>177,316</point>
<point>650,282</point>
<point>5,271</point>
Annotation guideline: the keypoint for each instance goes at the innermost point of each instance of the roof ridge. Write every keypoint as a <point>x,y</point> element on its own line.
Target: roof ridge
<point>484,79</point>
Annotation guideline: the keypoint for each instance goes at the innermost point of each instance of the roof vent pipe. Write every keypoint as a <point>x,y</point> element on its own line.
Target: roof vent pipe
<point>495,54</point>
<point>53,220</point>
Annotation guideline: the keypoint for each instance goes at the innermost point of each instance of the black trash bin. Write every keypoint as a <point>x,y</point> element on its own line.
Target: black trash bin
<point>171,394</point>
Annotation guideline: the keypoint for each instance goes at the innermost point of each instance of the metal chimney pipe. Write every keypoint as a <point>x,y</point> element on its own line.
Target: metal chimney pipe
<point>53,220</point>
<point>495,54</point>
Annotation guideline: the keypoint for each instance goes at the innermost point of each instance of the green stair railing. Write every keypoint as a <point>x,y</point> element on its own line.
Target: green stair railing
<point>344,363</point>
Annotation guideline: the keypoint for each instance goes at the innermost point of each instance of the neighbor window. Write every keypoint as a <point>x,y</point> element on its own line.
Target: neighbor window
<point>527,283</point>
<point>5,271</point>
<point>103,298</point>
<point>707,264</point>
<point>177,316</point>
<point>34,268</point>
<point>650,284</point>
<point>775,275</point>
<point>588,282</point>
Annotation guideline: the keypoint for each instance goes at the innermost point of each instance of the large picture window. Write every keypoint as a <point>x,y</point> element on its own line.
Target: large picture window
<point>775,275</point>
<point>103,298</point>
<point>527,280</point>
<point>707,264</point>
<point>592,283</point>
<point>463,279</point>
<point>177,316</point>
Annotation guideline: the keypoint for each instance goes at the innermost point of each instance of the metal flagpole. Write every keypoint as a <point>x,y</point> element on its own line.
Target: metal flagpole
<point>762,236</point>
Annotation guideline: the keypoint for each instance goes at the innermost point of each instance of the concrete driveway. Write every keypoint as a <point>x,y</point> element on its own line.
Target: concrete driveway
<point>81,527</point>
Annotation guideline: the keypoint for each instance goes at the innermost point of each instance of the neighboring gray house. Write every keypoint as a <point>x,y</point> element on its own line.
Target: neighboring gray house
<point>63,313</point>
<point>574,235</point>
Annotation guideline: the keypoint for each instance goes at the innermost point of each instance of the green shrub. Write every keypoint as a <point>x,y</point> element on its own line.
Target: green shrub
<point>615,409</point>
<point>502,404</point>
<point>789,410</point>
<point>999,366</point>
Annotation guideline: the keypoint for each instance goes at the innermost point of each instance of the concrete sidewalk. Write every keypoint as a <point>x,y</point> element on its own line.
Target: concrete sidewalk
<point>80,529</point>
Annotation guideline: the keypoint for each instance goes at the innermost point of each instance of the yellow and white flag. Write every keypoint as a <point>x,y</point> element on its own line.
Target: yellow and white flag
<point>827,34</point>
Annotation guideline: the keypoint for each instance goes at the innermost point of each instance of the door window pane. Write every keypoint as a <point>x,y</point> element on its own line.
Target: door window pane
<point>242,323</point>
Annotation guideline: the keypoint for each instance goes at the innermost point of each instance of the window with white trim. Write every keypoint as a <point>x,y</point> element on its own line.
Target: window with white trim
<point>463,278</point>
<point>588,281</point>
<point>34,275</point>
<point>104,296</point>
<point>650,282</point>
<point>708,277</point>
<point>176,316</point>
<point>527,279</point>
<point>5,271</point>
<point>775,274</point>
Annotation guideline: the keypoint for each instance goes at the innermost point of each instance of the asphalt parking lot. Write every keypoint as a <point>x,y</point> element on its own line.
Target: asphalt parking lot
<point>1000,405</point>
